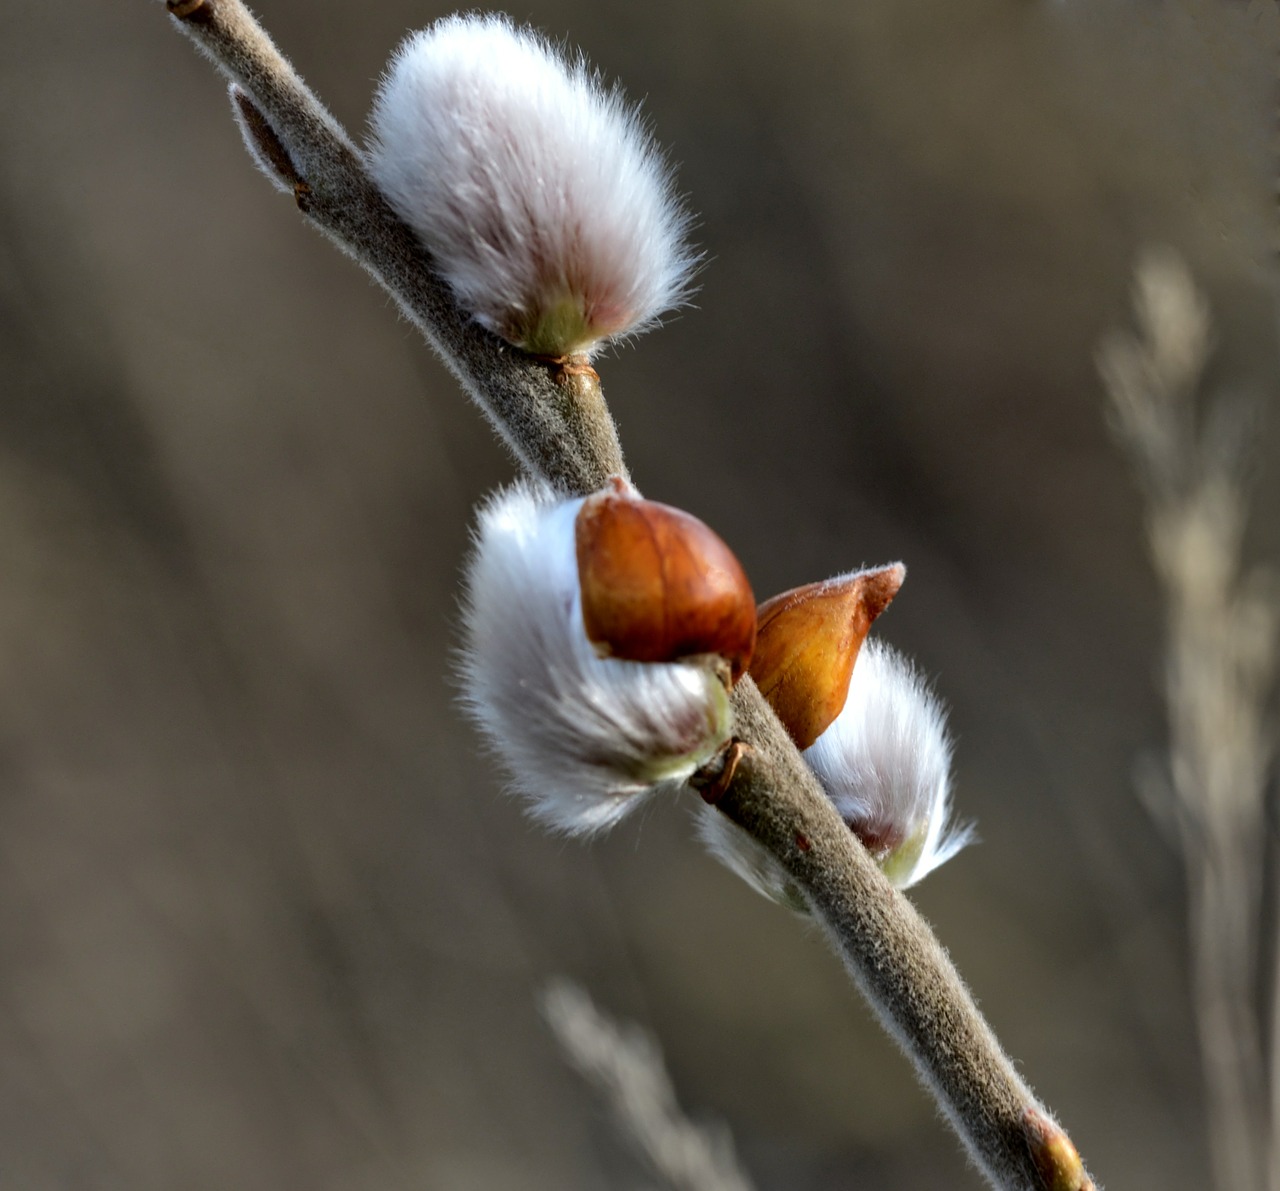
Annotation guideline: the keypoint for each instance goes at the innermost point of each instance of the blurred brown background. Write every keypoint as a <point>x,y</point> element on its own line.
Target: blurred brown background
<point>266,920</point>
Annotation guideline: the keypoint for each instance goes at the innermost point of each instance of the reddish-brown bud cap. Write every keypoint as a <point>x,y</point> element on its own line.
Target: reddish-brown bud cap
<point>658,585</point>
<point>1054,1155</point>
<point>808,641</point>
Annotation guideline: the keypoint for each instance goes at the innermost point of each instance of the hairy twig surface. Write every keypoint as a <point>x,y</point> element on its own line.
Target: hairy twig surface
<point>552,416</point>
<point>1192,460</point>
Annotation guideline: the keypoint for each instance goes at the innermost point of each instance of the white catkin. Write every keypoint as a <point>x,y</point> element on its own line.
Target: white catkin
<point>885,763</point>
<point>537,189</point>
<point>582,736</point>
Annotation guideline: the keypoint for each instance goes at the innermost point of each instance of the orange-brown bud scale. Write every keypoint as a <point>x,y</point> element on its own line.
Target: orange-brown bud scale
<point>658,585</point>
<point>807,642</point>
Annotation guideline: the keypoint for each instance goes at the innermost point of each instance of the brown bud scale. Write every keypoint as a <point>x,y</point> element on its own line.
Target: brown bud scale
<point>808,640</point>
<point>658,585</point>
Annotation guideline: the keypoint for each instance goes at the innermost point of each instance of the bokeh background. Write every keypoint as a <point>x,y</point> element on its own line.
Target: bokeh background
<point>266,919</point>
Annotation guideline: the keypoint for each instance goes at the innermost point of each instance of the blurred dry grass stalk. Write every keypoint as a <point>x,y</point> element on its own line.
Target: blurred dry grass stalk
<point>625,1066</point>
<point>1192,459</point>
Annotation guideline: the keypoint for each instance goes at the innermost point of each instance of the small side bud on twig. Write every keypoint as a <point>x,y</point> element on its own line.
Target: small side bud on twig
<point>808,641</point>
<point>584,735</point>
<point>265,148</point>
<point>659,585</point>
<point>538,191</point>
<point>1054,1155</point>
<point>185,10</point>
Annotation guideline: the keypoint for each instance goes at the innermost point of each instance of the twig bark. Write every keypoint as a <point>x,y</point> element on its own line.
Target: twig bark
<point>553,419</point>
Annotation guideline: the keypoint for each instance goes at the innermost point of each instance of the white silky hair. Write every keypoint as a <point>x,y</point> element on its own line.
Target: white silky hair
<point>746,857</point>
<point>884,762</point>
<point>582,736</point>
<point>527,179</point>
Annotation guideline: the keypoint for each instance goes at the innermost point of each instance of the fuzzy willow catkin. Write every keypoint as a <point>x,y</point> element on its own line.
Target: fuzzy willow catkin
<point>884,761</point>
<point>537,190</point>
<point>584,736</point>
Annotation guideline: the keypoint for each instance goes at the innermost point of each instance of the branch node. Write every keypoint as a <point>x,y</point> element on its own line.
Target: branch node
<point>715,777</point>
<point>564,368</point>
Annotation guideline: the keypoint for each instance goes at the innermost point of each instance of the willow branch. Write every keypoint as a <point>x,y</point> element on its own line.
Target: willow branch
<point>553,419</point>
